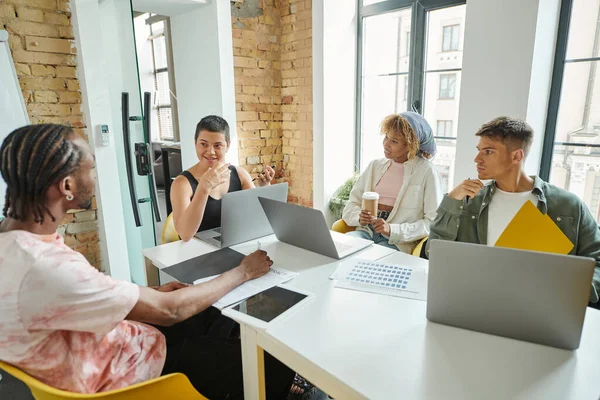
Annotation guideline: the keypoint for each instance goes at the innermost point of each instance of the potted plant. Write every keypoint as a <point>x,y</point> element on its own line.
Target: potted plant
<point>340,197</point>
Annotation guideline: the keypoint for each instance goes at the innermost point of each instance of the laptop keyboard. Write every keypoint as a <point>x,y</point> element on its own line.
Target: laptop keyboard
<point>341,247</point>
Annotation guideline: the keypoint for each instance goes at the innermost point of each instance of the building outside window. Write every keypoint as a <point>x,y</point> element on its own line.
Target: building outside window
<point>447,86</point>
<point>444,129</point>
<point>450,38</point>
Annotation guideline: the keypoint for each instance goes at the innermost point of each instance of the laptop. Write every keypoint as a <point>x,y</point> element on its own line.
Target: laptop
<point>242,217</point>
<point>525,295</point>
<point>306,228</point>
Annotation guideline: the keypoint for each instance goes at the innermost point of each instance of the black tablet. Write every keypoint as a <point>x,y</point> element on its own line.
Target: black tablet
<point>270,304</point>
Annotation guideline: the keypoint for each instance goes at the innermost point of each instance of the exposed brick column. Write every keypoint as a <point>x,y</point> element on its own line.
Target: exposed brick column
<point>40,38</point>
<point>272,48</point>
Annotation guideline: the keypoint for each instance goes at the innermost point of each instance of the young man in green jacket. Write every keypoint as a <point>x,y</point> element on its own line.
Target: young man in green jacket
<point>478,213</point>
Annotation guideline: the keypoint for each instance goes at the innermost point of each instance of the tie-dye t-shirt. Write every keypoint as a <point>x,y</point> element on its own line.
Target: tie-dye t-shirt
<point>63,322</point>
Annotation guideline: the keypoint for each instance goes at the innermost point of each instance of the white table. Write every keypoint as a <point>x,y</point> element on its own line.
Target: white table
<point>357,345</point>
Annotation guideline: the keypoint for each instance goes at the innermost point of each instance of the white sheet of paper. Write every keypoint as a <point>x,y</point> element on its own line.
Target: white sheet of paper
<point>389,279</point>
<point>274,277</point>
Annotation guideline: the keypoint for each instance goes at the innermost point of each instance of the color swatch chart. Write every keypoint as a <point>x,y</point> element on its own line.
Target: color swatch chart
<point>375,277</point>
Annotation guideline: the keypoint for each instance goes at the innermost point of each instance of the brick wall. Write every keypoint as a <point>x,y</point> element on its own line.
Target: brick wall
<point>272,48</point>
<point>296,91</point>
<point>40,37</point>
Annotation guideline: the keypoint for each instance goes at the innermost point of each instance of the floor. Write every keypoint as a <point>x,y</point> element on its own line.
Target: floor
<point>13,389</point>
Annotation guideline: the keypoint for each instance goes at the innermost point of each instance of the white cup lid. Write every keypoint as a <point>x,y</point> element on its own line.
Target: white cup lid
<point>370,196</point>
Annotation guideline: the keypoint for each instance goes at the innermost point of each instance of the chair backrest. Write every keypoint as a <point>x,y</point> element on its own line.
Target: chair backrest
<point>169,234</point>
<point>172,386</point>
<point>419,250</point>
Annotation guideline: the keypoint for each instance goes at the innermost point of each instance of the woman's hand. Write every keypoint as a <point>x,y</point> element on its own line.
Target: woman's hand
<point>215,177</point>
<point>381,227</point>
<point>365,217</point>
<point>266,176</point>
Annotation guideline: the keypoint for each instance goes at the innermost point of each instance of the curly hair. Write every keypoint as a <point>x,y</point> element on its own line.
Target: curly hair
<point>397,126</point>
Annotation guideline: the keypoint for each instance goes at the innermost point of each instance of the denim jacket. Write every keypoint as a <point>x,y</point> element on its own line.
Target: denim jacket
<point>464,221</point>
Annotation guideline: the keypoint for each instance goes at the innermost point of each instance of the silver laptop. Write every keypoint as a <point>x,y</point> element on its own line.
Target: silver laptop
<point>242,217</point>
<point>524,295</point>
<point>306,228</point>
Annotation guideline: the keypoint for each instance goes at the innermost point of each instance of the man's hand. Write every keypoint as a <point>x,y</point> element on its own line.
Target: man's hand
<point>171,286</point>
<point>381,227</point>
<point>365,217</point>
<point>255,265</point>
<point>470,188</point>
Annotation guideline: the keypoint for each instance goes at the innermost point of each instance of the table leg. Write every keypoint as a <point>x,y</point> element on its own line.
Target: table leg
<point>151,273</point>
<point>253,364</point>
<point>167,175</point>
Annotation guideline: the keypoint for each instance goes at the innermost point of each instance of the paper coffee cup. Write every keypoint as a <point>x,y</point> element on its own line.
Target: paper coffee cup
<point>370,202</point>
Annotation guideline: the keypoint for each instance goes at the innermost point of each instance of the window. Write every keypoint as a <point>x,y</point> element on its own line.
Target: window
<point>444,128</point>
<point>450,39</point>
<point>571,156</point>
<point>447,85</point>
<point>397,75</point>
<point>163,98</point>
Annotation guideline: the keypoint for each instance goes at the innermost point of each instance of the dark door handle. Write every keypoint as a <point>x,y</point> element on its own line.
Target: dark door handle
<point>148,134</point>
<point>128,167</point>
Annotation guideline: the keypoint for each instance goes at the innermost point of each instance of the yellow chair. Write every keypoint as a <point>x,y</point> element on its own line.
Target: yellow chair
<point>169,234</point>
<point>341,227</point>
<point>417,250</point>
<point>172,386</point>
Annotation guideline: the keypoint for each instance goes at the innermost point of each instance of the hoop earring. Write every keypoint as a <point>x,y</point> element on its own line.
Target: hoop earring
<point>69,197</point>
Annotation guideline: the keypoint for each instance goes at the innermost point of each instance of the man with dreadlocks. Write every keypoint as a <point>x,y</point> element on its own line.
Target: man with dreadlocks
<point>76,329</point>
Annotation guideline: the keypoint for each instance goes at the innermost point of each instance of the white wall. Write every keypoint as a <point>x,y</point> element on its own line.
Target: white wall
<point>203,65</point>
<point>507,68</point>
<point>334,77</point>
<point>167,7</point>
<point>97,109</point>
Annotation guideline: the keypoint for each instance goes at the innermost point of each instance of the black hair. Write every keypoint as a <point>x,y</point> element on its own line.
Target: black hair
<point>33,158</point>
<point>512,132</point>
<point>213,123</point>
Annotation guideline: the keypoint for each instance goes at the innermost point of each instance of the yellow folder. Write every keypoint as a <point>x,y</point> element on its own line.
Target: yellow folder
<point>532,230</point>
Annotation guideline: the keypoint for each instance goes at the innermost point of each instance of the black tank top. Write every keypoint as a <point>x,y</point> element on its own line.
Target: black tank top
<point>212,212</point>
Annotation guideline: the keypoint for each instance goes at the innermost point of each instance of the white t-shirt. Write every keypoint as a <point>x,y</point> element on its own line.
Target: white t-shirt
<point>502,209</point>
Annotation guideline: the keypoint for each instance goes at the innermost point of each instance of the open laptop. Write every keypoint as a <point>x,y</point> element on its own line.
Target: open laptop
<point>524,295</point>
<point>242,217</point>
<point>306,228</point>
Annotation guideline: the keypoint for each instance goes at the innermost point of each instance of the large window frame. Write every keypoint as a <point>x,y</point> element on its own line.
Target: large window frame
<point>168,69</point>
<point>560,60</point>
<point>416,69</point>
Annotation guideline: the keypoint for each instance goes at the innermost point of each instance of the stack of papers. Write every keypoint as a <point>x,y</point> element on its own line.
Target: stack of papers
<point>389,279</point>
<point>532,230</point>
<point>274,277</point>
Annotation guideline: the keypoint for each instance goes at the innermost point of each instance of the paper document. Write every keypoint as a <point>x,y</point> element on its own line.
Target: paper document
<point>532,230</point>
<point>274,277</point>
<point>390,279</point>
